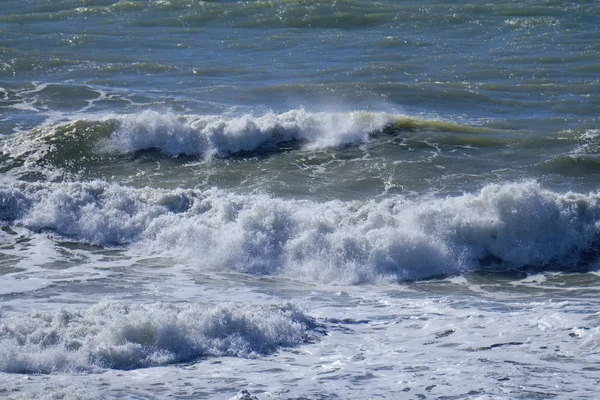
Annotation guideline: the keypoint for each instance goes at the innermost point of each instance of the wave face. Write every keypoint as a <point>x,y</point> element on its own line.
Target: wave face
<point>518,225</point>
<point>123,336</point>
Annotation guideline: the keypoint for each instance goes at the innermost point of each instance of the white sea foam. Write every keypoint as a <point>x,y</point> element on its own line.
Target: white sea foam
<point>120,336</point>
<point>218,135</point>
<point>519,224</point>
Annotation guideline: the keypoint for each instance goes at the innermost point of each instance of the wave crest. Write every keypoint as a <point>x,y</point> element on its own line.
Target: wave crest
<point>71,149</point>
<point>211,136</point>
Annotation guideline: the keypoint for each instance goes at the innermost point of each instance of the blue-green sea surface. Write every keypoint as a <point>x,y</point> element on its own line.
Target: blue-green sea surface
<point>299,199</point>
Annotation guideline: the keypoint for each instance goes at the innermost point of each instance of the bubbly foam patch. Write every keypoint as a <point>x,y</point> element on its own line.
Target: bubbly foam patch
<point>219,136</point>
<point>120,336</point>
<point>516,225</point>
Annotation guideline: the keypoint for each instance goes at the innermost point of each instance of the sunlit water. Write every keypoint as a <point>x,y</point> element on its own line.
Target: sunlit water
<point>299,199</point>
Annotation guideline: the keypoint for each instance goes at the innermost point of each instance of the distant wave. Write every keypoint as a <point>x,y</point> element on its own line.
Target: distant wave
<point>517,225</point>
<point>254,14</point>
<point>122,336</point>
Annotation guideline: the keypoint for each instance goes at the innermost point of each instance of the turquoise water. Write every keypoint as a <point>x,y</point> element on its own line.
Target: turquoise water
<point>301,199</point>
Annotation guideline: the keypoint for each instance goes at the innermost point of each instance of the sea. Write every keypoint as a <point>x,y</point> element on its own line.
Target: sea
<point>299,199</point>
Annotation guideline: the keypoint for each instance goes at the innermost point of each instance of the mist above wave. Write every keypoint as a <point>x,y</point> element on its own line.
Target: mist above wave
<point>516,225</point>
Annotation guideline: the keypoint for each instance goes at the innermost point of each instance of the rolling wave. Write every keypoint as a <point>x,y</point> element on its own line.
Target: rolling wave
<point>518,225</point>
<point>253,14</point>
<point>123,336</point>
<point>211,136</point>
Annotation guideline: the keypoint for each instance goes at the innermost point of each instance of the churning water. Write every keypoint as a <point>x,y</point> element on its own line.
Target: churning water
<point>299,199</point>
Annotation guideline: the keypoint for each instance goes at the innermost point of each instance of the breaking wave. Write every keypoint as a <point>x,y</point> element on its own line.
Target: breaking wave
<point>517,225</point>
<point>119,336</point>
<point>84,142</point>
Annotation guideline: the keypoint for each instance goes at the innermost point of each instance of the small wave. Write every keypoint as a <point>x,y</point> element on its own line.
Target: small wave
<point>252,14</point>
<point>404,123</point>
<point>532,22</point>
<point>57,150</point>
<point>120,336</point>
<point>572,164</point>
<point>583,159</point>
<point>517,225</point>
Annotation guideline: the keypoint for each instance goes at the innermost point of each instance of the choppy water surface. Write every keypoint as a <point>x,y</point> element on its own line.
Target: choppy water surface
<point>299,199</point>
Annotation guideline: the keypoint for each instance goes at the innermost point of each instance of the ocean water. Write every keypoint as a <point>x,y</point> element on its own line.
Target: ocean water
<point>299,199</point>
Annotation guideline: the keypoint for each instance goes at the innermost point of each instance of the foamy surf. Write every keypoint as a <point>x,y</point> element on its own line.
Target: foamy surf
<point>516,225</point>
<point>118,335</point>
